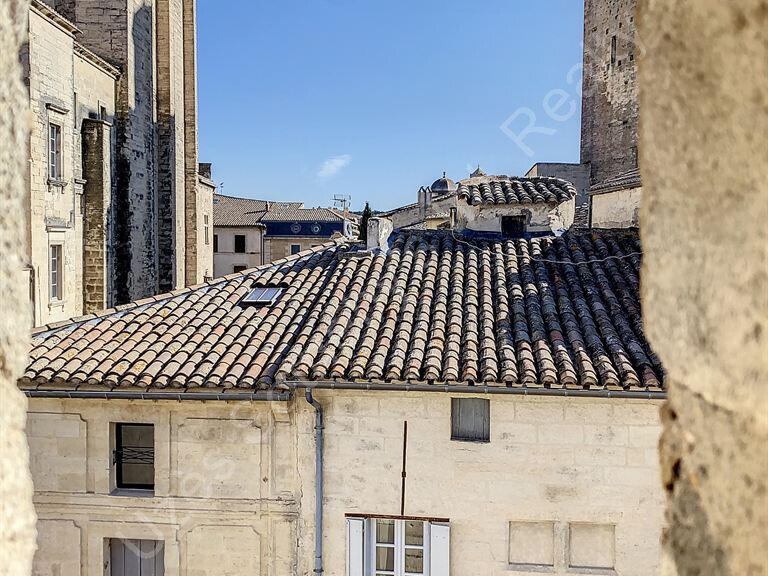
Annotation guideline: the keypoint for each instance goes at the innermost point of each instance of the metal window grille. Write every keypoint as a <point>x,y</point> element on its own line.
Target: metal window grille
<point>134,456</point>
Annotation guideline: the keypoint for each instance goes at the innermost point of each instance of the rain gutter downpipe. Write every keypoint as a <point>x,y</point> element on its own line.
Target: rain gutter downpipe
<point>318,480</point>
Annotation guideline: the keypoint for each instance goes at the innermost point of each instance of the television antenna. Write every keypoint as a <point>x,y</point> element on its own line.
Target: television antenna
<point>342,201</point>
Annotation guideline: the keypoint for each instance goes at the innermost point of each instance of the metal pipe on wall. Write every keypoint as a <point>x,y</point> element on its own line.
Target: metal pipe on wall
<point>318,480</point>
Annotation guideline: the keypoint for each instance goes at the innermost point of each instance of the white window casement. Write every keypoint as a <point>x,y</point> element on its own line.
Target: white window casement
<point>394,546</point>
<point>54,152</point>
<point>56,277</point>
<point>207,233</point>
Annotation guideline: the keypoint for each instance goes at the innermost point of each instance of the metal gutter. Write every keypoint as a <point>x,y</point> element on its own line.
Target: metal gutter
<point>260,395</point>
<point>318,480</point>
<point>480,389</point>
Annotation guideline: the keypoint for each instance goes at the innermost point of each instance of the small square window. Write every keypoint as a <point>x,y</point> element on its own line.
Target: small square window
<point>134,456</point>
<point>471,419</point>
<point>513,226</point>
<point>295,248</point>
<point>239,267</point>
<point>240,243</point>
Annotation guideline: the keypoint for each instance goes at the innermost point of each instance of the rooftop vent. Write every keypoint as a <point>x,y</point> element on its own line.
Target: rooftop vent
<point>262,296</point>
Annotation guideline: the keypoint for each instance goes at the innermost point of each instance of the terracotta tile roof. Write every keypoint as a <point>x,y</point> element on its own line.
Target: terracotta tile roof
<point>624,181</point>
<point>233,211</point>
<point>282,213</point>
<point>435,308</point>
<point>509,190</point>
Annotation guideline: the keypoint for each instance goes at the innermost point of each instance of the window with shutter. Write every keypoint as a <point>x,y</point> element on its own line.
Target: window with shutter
<point>136,557</point>
<point>387,546</point>
<point>471,419</point>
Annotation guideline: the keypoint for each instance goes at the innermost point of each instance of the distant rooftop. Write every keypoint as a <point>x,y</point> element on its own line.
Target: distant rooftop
<point>624,181</point>
<point>513,190</point>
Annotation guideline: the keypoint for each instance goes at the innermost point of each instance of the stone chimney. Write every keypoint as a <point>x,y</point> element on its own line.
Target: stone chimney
<point>425,201</point>
<point>379,230</point>
<point>204,169</point>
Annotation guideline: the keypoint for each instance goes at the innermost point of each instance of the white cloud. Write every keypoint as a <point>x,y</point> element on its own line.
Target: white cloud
<point>333,166</point>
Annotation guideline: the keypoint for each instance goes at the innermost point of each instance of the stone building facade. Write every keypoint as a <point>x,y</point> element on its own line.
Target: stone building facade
<point>248,232</point>
<point>116,202</point>
<point>609,116</point>
<point>561,485</point>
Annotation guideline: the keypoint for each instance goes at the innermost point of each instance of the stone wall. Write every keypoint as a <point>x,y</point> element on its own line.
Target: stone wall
<point>703,87</point>
<point>542,218</point>
<point>226,258</point>
<point>588,467</point>
<point>616,209</point>
<point>609,104</point>
<point>17,520</point>
<point>576,174</point>
<point>97,196</point>
<point>276,248</point>
<point>55,204</point>
<point>155,200</point>
<point>225,496</point>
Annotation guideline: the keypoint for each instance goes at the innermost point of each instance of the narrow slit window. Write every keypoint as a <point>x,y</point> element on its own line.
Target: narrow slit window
<point>613,50</point>
<point>54,151</point>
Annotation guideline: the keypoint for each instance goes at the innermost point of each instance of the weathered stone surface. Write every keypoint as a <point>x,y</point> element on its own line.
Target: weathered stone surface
<point>609,105</point>
<point>703,86</point>
<point>17,529</point>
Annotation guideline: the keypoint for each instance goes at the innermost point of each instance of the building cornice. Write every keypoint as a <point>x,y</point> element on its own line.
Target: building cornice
<point>45,11</point>
<point>96,60</point>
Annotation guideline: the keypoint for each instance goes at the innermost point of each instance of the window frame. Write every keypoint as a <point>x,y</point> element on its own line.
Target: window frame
<point>456,436</point>
<point>399,545</point>
<point>295,249</point>
<point>245,248</point>
<point>120,484</point>
<point>56,253</point>
<point>54,152</point>
<point>206,230</point>
<point>239,268</point>
<point>215,243</point>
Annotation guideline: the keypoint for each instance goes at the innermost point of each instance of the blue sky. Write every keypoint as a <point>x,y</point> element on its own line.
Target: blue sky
<point>304,99</point>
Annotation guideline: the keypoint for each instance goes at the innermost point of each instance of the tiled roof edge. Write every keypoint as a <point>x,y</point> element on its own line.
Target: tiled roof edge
<point>77,320</point>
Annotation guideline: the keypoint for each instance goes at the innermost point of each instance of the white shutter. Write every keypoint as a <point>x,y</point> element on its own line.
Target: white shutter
<point>439,550</point>
<point>355,547</point>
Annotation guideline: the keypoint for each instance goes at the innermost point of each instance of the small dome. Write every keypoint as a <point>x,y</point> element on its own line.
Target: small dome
<point>443,185</point>
<point>477,173</point>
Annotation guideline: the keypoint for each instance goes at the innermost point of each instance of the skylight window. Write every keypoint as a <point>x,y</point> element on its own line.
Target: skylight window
<point>262,296</point>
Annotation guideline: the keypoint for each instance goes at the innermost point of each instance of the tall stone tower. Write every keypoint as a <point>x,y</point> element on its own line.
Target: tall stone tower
<point>609,103</point>
<point>156,205</point>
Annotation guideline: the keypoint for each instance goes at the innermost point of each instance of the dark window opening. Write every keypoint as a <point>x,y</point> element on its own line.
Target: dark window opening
<point>240,243</point>
<point>471,419</point>
<point>613,49</point>
<point>239,267</point>
<point>215,242</point>
<point>295,248</point>
<point>134,456</point>
<point>513,226</point>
